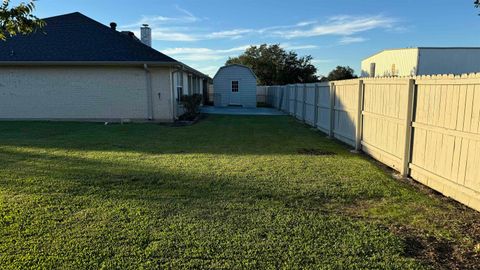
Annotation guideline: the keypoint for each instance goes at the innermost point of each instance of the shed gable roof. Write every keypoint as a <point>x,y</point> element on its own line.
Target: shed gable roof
<point>76,37</point>
<point>233,65</point>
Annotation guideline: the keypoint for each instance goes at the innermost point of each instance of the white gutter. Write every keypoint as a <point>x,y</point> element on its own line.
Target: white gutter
<point>87,63</point>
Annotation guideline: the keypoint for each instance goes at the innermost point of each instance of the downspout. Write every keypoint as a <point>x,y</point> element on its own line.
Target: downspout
<point>148,76</point>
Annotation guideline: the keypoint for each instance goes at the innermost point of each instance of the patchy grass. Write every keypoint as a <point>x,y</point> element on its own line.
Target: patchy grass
<point>229,192</point>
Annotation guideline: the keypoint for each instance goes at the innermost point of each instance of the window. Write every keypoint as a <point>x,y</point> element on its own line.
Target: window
<point>179,85</point>
<point>234,86</point>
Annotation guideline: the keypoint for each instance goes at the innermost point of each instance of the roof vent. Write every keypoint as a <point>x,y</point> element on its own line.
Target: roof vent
<point>113,25</point>
<point>146,35</point>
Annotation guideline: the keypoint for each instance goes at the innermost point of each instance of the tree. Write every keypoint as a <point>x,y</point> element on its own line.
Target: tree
<point>18,19</point>
<point>477,3</point>
<point>275,66</point>
<point>341,73</point>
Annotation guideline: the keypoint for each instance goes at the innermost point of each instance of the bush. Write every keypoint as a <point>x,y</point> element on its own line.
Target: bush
<point>192,106</point>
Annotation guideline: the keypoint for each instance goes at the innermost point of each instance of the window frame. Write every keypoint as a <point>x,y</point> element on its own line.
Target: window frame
<point>232,88</point>
<point>179,86</point>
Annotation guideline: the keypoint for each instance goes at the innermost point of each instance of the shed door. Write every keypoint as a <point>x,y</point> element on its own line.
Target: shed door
<point>235,93</point>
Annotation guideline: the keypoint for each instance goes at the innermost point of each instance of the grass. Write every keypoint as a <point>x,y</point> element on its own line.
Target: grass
<point>228,192</point>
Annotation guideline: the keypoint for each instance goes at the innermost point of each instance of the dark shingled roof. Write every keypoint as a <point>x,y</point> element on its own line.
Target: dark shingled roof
<point>75,37</point>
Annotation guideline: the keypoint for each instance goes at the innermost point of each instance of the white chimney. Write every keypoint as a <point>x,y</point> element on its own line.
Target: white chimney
<point>146,35</point>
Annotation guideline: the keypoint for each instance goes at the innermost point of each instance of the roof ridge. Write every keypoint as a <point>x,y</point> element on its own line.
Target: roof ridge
<point>66,14</point>
<point>120,34</point>
<point>76,37</point>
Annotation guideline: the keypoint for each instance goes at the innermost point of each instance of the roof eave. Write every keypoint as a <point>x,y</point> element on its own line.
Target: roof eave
<point>88,63</point>
<point>105,63</point>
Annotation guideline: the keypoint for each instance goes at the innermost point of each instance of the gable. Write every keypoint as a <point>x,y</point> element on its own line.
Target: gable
<point>236,69</point>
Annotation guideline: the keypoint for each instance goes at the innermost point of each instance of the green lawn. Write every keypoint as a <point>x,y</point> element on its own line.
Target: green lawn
<point>228,192</point>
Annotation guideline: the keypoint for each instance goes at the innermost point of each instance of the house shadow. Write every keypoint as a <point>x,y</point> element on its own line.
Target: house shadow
<point>139,179</point>
<point>217,134</point>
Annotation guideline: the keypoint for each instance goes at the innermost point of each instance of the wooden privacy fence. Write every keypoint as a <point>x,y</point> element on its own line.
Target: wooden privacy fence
<point>425,127</point>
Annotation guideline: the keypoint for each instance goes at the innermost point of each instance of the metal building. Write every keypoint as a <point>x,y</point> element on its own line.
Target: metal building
<point>422,61</point>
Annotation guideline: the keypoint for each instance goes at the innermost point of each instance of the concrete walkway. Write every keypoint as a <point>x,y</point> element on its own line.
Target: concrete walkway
<point>240,111</point>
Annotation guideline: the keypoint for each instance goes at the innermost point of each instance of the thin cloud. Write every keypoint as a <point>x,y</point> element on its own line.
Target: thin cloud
<point>350,40</point>
<point>322,61</point>
<point>289,46</point>
<point>306,23</point>
<point>181,29</point>
<point>172,36</point>
<point>339,25</point>
<point>209,70</point>
<point>206,54</point>
<point>188,14</point>
<point>233,34</point>
<point>203,54</point>
<point>186,17</point>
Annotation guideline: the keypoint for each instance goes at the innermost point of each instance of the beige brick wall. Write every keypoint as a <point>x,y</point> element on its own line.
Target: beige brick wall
<point>83,93</point>
<point>162,94</point>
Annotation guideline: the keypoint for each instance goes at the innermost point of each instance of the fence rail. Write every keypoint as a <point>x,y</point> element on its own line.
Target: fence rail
<point>425,127</point>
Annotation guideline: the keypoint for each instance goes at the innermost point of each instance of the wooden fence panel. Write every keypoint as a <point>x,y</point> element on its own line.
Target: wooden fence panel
<point>292,99</point>
<point>384,113</point>
<point>262,94</point>
<point>345,111</point>
<point>446,137</point>
<point>323,103</point>
<point>310,104</point>
<point>299,101</point>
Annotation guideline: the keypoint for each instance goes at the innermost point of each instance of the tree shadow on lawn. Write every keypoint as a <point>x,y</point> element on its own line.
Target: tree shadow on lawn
<point>118,172</point>
<point>173,217</point>
<point>79,173</point>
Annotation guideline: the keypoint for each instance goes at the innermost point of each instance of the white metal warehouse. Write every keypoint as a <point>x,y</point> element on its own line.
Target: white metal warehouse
<point>422,61</point>
<point>235,85</point>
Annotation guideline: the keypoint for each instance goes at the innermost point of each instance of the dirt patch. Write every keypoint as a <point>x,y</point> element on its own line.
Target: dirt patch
<point>438,253</point>
<point>315,152</point>
<point>186,123</point>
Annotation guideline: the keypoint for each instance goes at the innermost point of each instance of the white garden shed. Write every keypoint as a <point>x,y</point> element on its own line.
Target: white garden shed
<point>235,85</point>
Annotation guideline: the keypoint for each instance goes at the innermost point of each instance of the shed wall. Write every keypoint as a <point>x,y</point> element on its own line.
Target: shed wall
<point>247,86</point>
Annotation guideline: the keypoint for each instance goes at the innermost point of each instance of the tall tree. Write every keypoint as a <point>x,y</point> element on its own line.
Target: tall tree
<point>477,3</point>
<point>18,19</point>
<point>275,66</point>
<point>341,73</point>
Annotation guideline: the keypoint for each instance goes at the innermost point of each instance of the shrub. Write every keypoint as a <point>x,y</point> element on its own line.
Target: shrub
<point>191,103</point>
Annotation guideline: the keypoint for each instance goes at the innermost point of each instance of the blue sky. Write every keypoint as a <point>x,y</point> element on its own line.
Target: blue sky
<point>204,33</point>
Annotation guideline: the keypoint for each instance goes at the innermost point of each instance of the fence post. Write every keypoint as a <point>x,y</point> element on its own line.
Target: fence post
<point>408,127</point>
<point>315,106</point>
<point>332,110</point>
<point>304,107</point>
<point>359,127</point>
